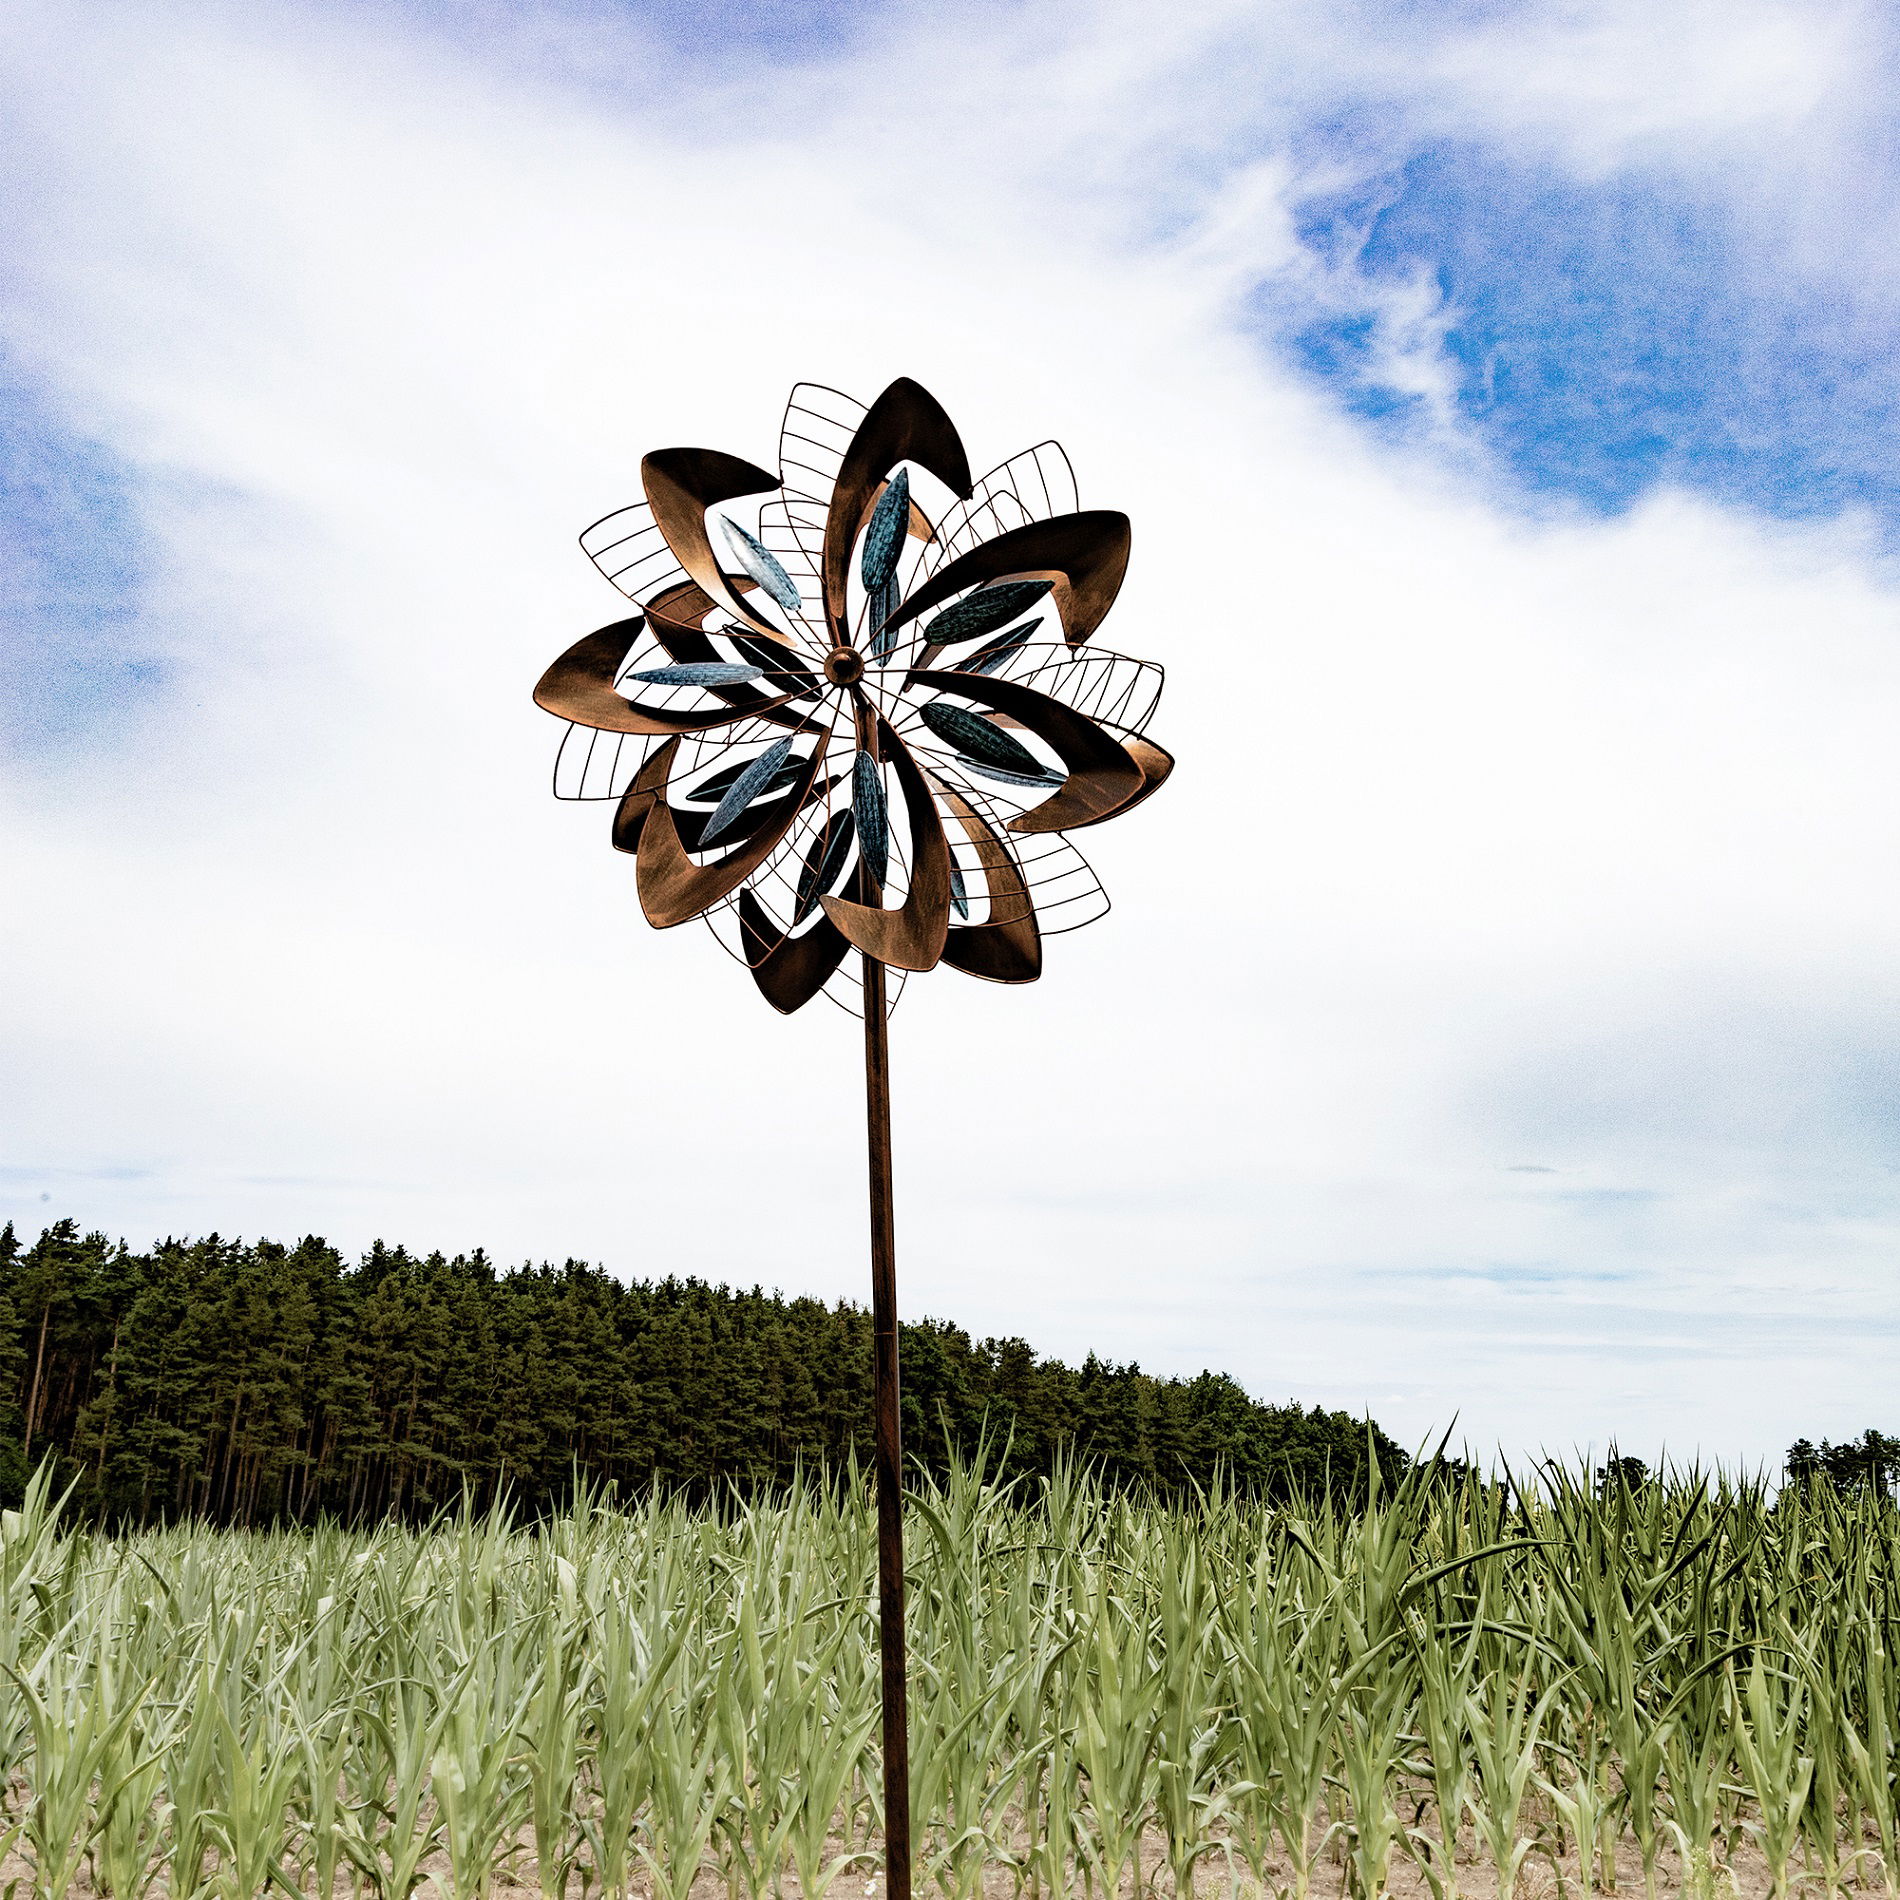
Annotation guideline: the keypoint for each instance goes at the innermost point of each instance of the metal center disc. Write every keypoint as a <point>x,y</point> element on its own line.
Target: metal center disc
<point>844,666</point>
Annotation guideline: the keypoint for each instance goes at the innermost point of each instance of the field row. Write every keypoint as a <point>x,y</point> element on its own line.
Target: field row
<point>1462,1688</point>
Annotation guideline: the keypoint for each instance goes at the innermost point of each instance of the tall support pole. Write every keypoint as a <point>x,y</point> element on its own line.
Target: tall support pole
<point>890,1438</point>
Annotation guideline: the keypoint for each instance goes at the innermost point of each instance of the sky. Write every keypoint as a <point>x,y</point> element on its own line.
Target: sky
<point>1495,1030</point>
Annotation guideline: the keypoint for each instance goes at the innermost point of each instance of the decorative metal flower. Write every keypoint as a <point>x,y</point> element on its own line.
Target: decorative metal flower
<point>862,713</point>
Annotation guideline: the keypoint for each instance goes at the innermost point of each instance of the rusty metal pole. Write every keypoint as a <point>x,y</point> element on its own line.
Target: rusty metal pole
<point>890,1439</point>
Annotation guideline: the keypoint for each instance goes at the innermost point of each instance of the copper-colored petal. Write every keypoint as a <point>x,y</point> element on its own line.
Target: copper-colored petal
<point>580,686</point>
<point>1155,766</point>
<point>1008,948</point>
<point>637,801</point>
<point>1103,776</point>
<point>999,953</point>
<point>905,424</point>
<point>681,484</point>
<point>1085,555</point>
<point>910,937</point>
<point>673,888</point>
<point>789,971</point>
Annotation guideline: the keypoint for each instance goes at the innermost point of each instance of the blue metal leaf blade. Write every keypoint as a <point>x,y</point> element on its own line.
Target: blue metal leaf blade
<point>1010,778</point>
<point>823,861</point>
<point>699,673</point>
<point>763,565</point>
<point>984,611</point>
<point>868,807</point>
<point>988,659</point>
<point>710,790</point>
<point>972,734</point>
<point>883,605</point>
<point>884,538</point>
<point>752,780</point>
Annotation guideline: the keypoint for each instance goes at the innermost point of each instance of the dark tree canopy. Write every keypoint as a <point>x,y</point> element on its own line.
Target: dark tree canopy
<point>1621,1474</point>
<point>256,1383</point>
<point>1872,1460</point>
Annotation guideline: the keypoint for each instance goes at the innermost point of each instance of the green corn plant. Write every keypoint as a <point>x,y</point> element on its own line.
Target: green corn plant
<point>1281,1640</point>
<point>1505,1723</point>
<point>1029,1622</point>
<point>1377,1559</point>
<point>690,1792</point>
<point>1768,1722</point>
<point>975,1741</point>
<point>552,1735</point>
<point>1371,1751</point>
<point>1052,1856</point>
<point>1110,1689</point>
<point>1577,1789</point>
<point>80,1721</point>
<point>1447,1662</point>
<point>620,1697</point>
<point>771,1679</point>
<point>1873,1745</point>
<point>1619,1557</point>
<point>33,1544</point>
<point>1828,1778</point>
<point>324,1675</point>
<point>833,1748</point>
<point>1193,1736</point>
<point>332,1830</point>
<point>256,1773</point>
<point>476,1777</point>
<point>1115,1728</point>
<point>132,1815</point>
<point>403,1727</point>
<point>190,1765</point>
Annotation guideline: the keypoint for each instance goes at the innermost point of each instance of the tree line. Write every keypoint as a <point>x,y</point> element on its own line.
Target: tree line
<point>1870,1461</point>
<point>256,1383</point>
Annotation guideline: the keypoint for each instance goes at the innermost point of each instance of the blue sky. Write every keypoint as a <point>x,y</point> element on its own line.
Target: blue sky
<point>1529,369</point>
<point>72,572</point>
<point>1603,337</point>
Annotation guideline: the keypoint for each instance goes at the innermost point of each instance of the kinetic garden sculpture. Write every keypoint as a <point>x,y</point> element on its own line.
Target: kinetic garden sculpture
<point>861,714</point>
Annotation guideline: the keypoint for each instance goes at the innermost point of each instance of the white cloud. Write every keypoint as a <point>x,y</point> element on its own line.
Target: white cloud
<point>1619,79</point>
<point>1474,818</point>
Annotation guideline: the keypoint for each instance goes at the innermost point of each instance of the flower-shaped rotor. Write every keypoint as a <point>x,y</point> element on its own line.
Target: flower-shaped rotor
<point>861,711</point>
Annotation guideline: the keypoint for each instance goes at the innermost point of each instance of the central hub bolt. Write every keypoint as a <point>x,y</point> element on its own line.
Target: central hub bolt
<point>844,666</point>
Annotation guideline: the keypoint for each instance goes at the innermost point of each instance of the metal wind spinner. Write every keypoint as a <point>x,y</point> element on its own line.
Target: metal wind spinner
<point>838,723</point>
<point>861,717</point>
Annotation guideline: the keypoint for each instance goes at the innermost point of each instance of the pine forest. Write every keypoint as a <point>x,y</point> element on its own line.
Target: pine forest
<point>250,1384</point>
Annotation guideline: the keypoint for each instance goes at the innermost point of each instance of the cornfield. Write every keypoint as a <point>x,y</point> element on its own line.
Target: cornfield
<point>1476,1688</point>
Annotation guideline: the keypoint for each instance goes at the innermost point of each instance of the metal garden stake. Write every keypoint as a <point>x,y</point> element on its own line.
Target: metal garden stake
<point>850,716</point>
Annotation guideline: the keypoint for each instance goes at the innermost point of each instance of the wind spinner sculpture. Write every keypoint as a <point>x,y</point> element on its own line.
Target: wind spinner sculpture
<point>861,714</point>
